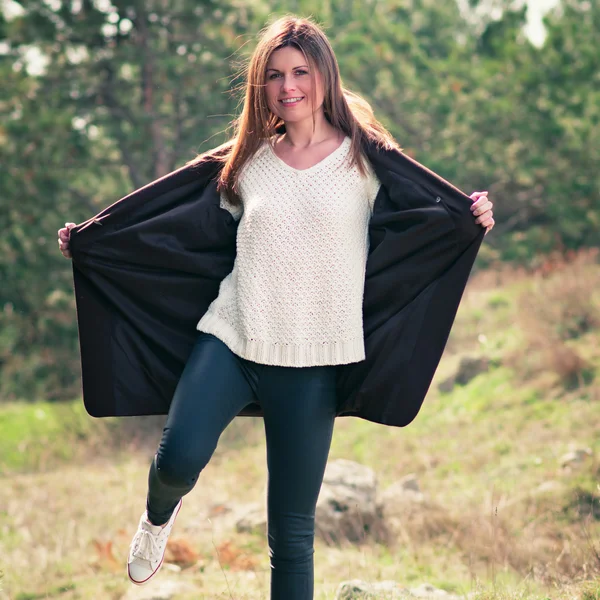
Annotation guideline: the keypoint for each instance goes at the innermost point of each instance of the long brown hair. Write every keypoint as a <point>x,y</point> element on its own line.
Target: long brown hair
<point>345,110</point>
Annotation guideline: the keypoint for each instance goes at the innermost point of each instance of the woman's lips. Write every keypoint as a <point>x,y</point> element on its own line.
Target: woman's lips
<point>288,104</point>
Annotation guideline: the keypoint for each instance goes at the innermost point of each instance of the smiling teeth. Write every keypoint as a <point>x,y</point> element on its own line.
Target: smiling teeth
<point>290,100</point>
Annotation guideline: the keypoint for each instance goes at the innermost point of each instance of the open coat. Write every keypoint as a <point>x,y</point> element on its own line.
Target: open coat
<point>147,267</point>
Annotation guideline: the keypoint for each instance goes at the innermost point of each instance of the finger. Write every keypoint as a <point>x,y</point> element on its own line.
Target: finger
<point>479,202</point>
<point>484,218</point>
<point>482,202</point>
<point>482,207</point>
<point>66,231</point>
<point>477,195</point>
<point>483,213</point>
<point>67,227</point>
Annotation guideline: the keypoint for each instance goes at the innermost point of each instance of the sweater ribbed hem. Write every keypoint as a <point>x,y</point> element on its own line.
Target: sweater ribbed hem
<point>282,354</point>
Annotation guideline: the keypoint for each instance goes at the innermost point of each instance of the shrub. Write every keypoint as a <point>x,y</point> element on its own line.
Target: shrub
<point>561,303</point>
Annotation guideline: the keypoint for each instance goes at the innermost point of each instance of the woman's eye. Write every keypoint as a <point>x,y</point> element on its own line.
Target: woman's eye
<point>299,72</point>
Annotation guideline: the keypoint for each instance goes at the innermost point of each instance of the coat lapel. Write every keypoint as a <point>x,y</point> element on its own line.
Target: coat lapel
<point>147,268</point>
<point>424,241</point>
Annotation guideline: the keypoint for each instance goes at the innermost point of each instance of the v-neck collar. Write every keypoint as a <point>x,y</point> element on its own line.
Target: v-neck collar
<point>320,164</point>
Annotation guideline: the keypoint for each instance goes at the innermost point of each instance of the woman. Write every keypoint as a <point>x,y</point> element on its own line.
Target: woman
<point>295,180</point>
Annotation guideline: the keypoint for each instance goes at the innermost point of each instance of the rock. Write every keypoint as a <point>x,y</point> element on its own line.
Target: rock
<point>218,518</point>
<point>410,514</point>
<point>447,385</point>
<point>404,490</point>
<point>404,501</point>
<point>548,486</point>
<point>361,590</point>
<point>426,590</point>
<point>252,519</point>
<point>575,458</point>
<point>347,508</point>
<point>171,567</point>
<point>468,368</point>
<point>165,589</point>
<point>410,483</point>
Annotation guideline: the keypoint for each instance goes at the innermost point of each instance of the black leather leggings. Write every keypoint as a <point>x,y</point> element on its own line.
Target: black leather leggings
<point>299,414</point>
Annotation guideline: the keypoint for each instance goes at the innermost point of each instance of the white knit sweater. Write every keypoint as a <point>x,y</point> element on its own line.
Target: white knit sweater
<point>294,297</point>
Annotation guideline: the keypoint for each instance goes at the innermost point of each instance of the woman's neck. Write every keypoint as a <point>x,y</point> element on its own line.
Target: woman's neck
<point>300,135</point>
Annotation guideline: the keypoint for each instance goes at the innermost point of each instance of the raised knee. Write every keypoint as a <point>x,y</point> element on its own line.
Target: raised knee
<point>179,471</point>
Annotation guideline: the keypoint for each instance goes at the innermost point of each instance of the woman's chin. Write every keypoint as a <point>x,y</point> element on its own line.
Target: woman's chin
<point>288,117</point>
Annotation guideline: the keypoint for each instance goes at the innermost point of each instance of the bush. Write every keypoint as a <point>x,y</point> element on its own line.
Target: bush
<point>562,303</point>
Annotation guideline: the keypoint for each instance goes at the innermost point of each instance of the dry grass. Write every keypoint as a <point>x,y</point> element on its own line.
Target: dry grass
<point>75,524</point>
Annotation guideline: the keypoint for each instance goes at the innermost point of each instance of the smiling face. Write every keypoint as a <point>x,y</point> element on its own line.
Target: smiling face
<point>288,77</point>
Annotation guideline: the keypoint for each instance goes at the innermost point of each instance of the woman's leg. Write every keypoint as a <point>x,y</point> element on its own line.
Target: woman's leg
<point>214,386</point>
<point>299,406</point>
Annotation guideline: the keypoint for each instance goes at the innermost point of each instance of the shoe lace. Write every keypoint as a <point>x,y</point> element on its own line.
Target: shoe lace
<point>144,544</point>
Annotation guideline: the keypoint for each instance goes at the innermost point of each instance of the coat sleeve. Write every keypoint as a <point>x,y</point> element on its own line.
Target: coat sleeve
<point>145,269</point>
<point>423,243</point>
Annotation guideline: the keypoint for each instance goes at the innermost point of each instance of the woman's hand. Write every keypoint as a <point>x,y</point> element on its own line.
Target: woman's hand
<point>64,235</point>
<point>482,209</point>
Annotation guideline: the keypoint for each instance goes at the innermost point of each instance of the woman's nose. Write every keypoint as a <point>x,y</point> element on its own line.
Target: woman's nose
<point>288,84</point>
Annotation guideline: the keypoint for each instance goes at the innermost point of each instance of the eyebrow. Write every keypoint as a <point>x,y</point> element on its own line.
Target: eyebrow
<point>299,67</point>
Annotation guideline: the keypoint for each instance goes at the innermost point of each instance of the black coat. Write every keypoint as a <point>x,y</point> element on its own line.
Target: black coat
<point>147,267</point>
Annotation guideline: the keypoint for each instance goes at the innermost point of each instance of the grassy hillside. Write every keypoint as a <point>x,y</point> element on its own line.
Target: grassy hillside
<point>510,515</point>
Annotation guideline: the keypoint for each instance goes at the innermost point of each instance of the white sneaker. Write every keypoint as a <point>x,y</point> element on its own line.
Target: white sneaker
<point>147,549</point>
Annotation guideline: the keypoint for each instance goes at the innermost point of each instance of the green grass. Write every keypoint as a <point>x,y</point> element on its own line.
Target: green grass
<point>50,593</point>
<point>32,434</point>
<point>591,591</point>
<point>44,435</point>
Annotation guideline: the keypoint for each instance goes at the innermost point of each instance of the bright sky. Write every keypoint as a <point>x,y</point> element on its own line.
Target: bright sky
<point>534,28</point>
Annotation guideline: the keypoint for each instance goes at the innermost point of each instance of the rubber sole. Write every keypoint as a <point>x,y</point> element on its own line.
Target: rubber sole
<point>143,582</point>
